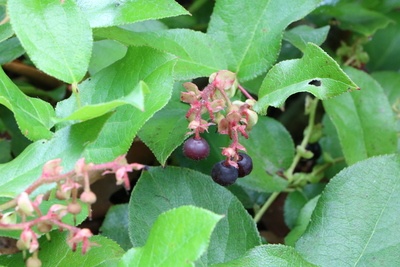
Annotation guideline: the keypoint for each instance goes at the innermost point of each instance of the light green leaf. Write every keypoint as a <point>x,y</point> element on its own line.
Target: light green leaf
<point>56,36</point>
<point>56,252</point>
<point>107,13</point>
<point>271,148</point>
<point>268,255</point>
<point>114,51</point>
<point>364,119</point>
<point>252,39</point>
<point>198,54</point>
<point>323,78</point>
<point>302,222</point>
<point>10,49</point>
<point>303,34</point>
<point>68,144</point>
<point>161,189</point>
<point>167,129</point>
<point>355,222</point>
<point>115,225</point>
<point>6,31</point>
<point>178,237</point>
<point>34,116</point>
<point>389,80</point>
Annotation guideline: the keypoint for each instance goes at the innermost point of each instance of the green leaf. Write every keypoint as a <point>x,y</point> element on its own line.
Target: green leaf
<point>293,204</point>
<point>323,78</point>
<point>68,144</point>
<point>56,36</point>
<point>178,237</point>
<point>355,222</point>
<point>271,148</point>
<point>117,81</point>
<point>167,129</point>
<point>160,189</point>
<point>356,18</point>
<point>303,34</point>
<point>115,225</point>
<point>114,51</point>
<point>389,80</point>
<point>10,49</point>
<point>252,39</point>
<point>111,13</point>
<point>34,116</point>
<point>268,255</point>
<point>6,31</point>
<point>198,54</point>
<point>56,252</point>
<point>364,119</point>
<point>302,221</point>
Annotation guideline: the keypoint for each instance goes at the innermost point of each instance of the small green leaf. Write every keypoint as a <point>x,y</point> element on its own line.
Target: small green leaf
<point>56,36</point>
<point>272,150</point>
<point>114,51</point>
<point>111,13</point>
<point>303,34</point>
<point>268,255</point>
<point>56,252</point>
<point>302,221</point>
<point>167,129</point>
<point>355,222</point>
<point>252,39</point>
<point>364,119</point>
<point>161,189</point>
<point>69,143</point>
<point>34,116</point>
<point>6,31</point>
<point>178,237</point>
<point>293,204</point>
<point>323,78</point>
<point>198,54</point>
<point>10,49</point>
<point>115,225</point>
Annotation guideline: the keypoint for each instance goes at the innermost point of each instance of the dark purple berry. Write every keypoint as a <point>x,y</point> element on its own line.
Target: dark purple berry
<point>315,148</point>
<point>224,174</point>
<point>245,164</point>
<point>196,149</point>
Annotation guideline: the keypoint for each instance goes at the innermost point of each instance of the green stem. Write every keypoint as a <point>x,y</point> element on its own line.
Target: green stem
<point>196,5</point>
<point>266,205</point>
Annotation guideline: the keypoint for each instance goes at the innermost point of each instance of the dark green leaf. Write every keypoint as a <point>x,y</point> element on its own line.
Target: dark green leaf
<point>6,31</point>
<point>303,34</point>
<point>115,225</point>
<point>56,36</point>
<point>252,39</point>
<point>198,54</point>
<point>293,204</point>
<point>110,13</point>
<point>323,78</point>
<point>34,116</point>
<point>268,255</point>
<point>178,237</point>
<point>364,119</point>
<point>10,49</point>
<point>56,252</point>
<point>159,190</point>
<point>355,222</point>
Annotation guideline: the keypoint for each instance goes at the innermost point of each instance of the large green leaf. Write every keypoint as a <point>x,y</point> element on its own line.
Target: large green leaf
<point>198,54</point>
<point>252,39</point>
<point>323,78</point>
<point>56,36</point>
<point>161,189</point>
<point>114,51</point>
<point>56,252</point>
<point>167,129</point>
<point>34,116</point>
<point>389,80</point>
<point>140,65</point>
<point>178,237</point>
<point>303,34</point>
<point>268,255</point>
<point>355,222</point>
<point>10,49</point>
<point>364,119</point>
<point>107,13</point>
<point>271,148</point>
<point>68,144</point>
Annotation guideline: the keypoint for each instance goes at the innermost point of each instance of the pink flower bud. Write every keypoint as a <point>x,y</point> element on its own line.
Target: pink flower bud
<point>24,204</point>
<point>52,168</point>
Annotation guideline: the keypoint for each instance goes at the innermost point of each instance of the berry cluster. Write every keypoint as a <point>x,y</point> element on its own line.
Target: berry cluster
<point>213,106</point>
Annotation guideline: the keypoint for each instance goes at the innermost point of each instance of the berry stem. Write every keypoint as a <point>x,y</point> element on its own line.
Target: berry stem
<point>264,207</point>
<point>244,91</point>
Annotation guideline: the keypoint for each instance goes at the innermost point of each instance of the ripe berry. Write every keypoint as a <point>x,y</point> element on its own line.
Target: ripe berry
<point>224,174</point>
<point>245,164</point>
<point>315,148</point>
<point>196,149</point>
